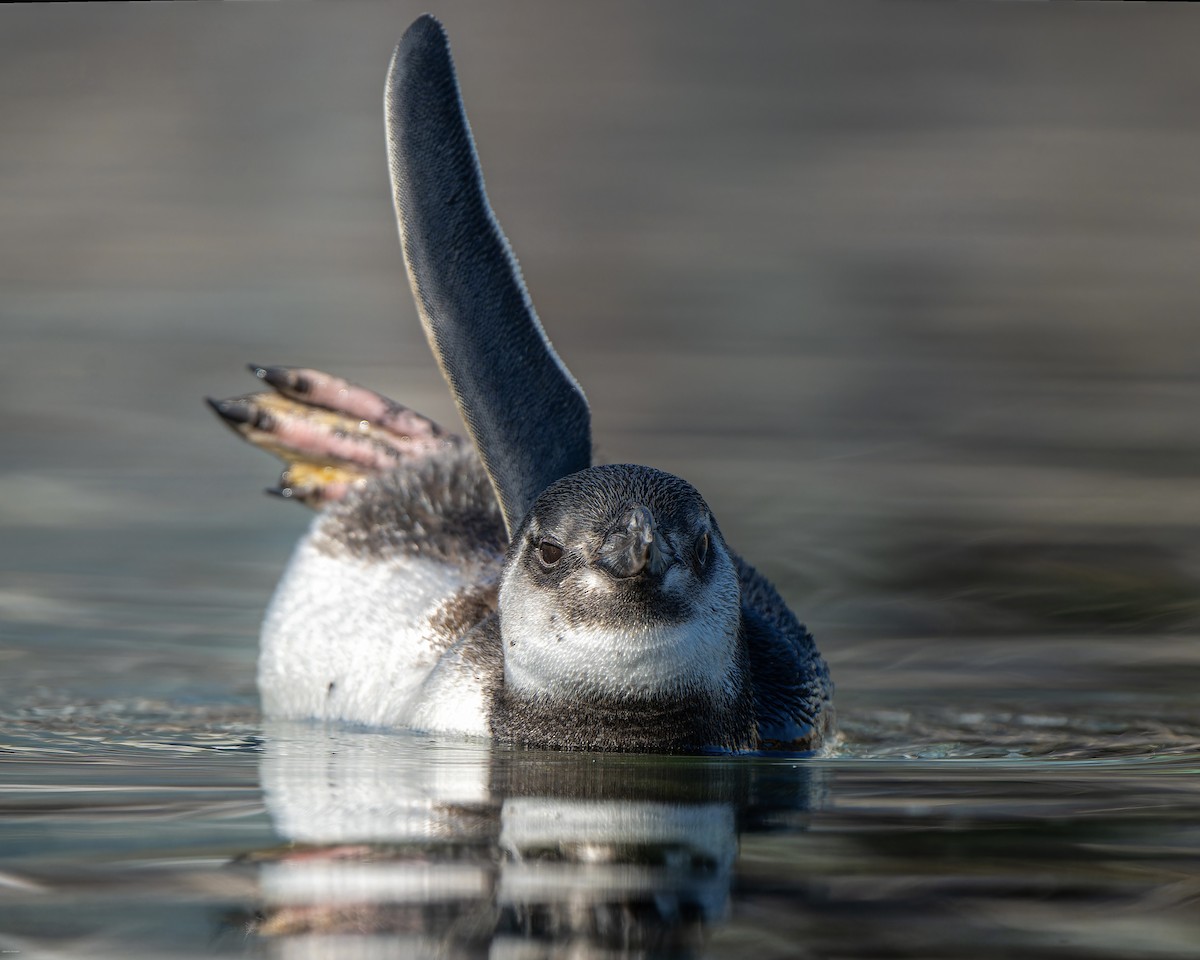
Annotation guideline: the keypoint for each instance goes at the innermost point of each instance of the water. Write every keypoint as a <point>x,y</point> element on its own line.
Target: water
<point>132,833</point>
<point>909,297</point>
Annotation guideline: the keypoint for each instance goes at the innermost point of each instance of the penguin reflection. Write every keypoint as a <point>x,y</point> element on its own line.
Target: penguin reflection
<point>456,849</point>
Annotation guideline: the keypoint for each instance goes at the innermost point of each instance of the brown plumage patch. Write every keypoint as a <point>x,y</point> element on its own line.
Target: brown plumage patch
<point>462,610</point>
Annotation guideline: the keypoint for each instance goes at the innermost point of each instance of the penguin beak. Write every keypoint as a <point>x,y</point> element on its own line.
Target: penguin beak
<point>634,546</point>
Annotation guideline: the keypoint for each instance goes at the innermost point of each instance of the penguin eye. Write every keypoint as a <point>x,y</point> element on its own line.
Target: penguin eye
<point>550,553</point>
<point>702,550</point>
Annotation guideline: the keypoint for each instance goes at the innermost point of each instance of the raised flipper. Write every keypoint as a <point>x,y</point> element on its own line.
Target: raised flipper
<point>332,434</point>
<point>526,414</point>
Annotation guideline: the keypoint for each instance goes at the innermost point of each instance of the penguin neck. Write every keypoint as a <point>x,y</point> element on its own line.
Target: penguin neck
<point>599,661</point>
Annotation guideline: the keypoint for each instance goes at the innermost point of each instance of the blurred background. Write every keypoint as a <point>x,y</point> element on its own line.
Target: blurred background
<point>908,292</point>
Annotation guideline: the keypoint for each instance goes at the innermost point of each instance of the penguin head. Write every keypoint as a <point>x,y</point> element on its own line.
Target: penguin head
<point>618,583</point>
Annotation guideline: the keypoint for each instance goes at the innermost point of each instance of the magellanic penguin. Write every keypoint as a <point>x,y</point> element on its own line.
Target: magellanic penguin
<point>504,587</point>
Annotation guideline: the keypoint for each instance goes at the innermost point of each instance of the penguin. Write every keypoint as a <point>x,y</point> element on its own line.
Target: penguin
<point>501,585</point>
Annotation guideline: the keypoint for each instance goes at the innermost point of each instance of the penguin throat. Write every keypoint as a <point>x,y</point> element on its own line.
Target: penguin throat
<point>699,656</point>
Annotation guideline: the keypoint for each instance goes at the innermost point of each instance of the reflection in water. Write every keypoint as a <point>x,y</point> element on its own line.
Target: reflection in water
<point>441,849</point>
<point>136,832</point>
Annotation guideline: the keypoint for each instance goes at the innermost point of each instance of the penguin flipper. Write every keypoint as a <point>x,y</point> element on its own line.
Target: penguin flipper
<point>524,411</point>
<point>332,435</point>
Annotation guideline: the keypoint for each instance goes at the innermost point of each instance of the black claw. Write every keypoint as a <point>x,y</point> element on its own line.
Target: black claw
<point>281,378</point>
<point>231,411</point>
<point>236,412</point>
<point>275,376</point>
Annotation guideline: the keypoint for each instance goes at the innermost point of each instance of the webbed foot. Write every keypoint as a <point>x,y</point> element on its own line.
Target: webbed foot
<point>332,435</point>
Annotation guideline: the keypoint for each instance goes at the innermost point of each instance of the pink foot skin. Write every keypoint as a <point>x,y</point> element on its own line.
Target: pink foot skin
<point>333,435</point>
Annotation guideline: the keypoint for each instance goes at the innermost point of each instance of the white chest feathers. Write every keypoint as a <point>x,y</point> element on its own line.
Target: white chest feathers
<point>549,650</point>
<point>363,641</point>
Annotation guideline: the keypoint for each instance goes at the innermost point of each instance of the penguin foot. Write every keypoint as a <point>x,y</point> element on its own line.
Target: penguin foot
<point>333,435</point>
